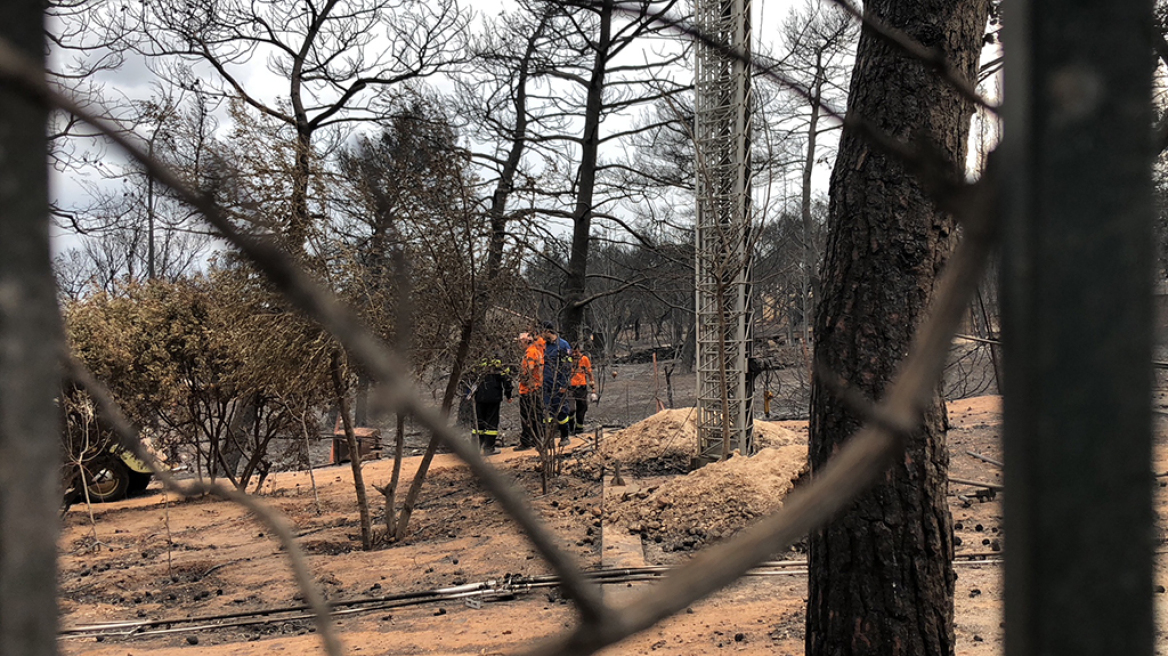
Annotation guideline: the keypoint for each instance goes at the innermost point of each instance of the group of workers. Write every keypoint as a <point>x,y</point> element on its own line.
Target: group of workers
<point>555,386</point>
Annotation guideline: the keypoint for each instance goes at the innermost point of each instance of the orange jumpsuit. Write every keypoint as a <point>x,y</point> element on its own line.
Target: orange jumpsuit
<point>582,380</point>
<point>531,394</point>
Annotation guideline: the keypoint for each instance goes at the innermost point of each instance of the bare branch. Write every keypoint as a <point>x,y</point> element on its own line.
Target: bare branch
<point>941,178</point>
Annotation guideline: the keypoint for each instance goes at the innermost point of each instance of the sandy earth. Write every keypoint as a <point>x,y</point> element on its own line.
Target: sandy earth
<point>150,558</point>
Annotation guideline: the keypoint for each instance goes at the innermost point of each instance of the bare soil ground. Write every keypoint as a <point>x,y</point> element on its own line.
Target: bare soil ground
<point>152,558</point>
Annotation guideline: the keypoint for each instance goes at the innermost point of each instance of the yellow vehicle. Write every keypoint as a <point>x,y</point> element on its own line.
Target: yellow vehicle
<point>95,467</point>
<point>109,476</point>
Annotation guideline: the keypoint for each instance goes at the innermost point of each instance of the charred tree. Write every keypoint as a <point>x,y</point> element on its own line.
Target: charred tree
<point>881,577</point>
<point>604,82</point>
<point>341,389</point>
<point>572,315</point>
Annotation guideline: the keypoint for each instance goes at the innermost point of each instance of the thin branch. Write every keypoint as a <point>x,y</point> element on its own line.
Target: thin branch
<point>937,175</point>
<point>629,284</point>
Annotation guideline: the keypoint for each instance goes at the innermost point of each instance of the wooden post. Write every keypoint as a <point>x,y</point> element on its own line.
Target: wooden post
<point>30,345</point>
<point>1077,272</point>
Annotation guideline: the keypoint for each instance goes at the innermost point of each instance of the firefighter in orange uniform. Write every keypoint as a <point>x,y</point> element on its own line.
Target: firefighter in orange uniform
<point>582,382</point>
<point>530,391</point>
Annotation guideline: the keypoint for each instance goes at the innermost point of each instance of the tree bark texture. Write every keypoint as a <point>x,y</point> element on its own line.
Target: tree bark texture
<point>881,577</point>
<point>296,232</point>
<point>30,347</point>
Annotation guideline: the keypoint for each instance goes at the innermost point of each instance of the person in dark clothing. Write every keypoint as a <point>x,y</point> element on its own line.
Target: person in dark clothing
<point>493,385</point>
<point>557,372</point>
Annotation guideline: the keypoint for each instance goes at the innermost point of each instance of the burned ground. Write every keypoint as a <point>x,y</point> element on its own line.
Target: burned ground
<point>148,558</point>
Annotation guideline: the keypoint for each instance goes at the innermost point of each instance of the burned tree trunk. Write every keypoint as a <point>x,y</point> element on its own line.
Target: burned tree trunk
<point>572,315</point>
<point>881,578</point>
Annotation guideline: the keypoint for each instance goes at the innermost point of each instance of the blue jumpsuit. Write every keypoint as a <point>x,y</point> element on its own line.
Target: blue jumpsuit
<point>557,372</point>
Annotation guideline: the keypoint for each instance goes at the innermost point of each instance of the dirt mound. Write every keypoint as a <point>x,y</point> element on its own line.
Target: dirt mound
<point>667,434</point>
<point>715,501</point>
<point>768,434</point>
<point>670,438</point>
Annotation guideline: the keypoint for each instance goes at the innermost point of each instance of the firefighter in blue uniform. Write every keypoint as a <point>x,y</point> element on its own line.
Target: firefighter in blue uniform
<point>557,372</point>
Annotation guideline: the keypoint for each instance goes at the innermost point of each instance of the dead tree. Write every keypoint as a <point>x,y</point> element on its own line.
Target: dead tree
<point>608,85</point>
<point>327,56</point>
<point>820,40</point>
<point>519,68</point>
<point>342,391</point>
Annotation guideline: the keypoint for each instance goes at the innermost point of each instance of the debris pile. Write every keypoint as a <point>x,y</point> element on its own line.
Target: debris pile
<point>713,502</point>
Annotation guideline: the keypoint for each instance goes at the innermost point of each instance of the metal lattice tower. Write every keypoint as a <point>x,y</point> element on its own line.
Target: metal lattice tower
<point>722,136</point>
